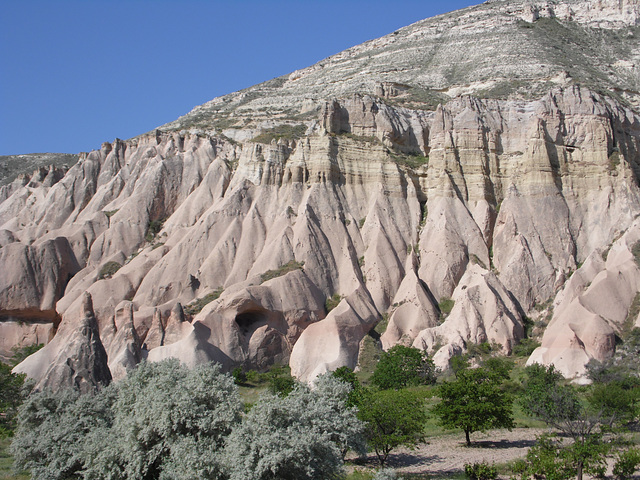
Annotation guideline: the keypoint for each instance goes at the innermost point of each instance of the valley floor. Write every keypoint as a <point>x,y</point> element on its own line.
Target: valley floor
<point>444,456</point>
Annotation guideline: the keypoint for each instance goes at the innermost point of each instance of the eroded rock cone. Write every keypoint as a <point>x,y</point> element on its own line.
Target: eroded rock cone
<point>155,336</point>
<point>83,363</point>
<point>125,352</point>
<point>175,328</point>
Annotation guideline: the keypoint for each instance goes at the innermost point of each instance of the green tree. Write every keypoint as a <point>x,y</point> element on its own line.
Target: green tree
<point>298,436</point>
<point>393,418</point>
<point>280,380</point>
<point>547,398</point>
<point>402,366</point>
<point>354,397</point>
<point>616,402</point>
<point>474,401</point>
<point>11,396</point>
<point>550,458</point>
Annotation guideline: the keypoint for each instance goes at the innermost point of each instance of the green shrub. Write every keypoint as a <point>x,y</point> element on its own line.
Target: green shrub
<point>413,161</point>
<point>626,463</point>
<point>332,302</point>
<point>253,376</point>
<point>108,270</point>
<point>403,367</point>
<point>239,377</point>
<point>476,260</point>
<point>283,270</point>
<point>614,161</point>
<point>153,229</point>
<point>20,353</point>
<point>479,349</point>
<point>280,380</point>
<point>480,471</point>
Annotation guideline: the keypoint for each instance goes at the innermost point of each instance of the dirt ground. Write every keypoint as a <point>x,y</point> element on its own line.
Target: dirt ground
<point>444,455</point>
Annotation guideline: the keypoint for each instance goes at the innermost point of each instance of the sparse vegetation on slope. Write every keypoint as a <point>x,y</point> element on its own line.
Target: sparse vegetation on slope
<point>283,270</point>
<point>11,166</point>
<point>196,306</point>
<point>281,132</point>
<point>108,270</point>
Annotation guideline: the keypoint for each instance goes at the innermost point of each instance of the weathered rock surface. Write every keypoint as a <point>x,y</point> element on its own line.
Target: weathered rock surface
<point>390,186</point>
<point>80,362</point>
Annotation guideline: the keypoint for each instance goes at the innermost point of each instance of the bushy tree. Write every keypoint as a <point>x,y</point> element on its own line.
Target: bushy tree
<point>547,398</point>
<point>402,366</point>
<point>52,432</point>
<point>616,402</point>
<point>11,397</point>
<point>162,411</point>
<point>298,436</point>
<point>345,374</point>
<point>280,380</point>
<point>550,458</point>
<point>626,463</point>
<point>393,418</point>
<point>474,401</point>
<point>163,421</point>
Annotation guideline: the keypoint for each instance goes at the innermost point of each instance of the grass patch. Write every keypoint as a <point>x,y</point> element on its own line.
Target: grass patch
<point>110,213</point>
<point>283,270</point>
<point>281,132</point>
<point>370,352</point>
<point>634,310</point>
<point>108,270</point>
<point>381,326</point>
<point>332,302</point>
<point>446,305</point>
<point>196,307</point>
<point>6,463</point>
<point>635,250</point>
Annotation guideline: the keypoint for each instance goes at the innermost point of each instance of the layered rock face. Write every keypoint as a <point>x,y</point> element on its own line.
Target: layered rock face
<point>206,248</point>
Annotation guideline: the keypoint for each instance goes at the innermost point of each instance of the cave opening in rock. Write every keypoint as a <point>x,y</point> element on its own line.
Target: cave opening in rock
<point>250,320</point>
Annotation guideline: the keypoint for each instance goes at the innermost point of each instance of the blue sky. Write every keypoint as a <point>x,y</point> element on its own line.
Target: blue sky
<point>76,73</point>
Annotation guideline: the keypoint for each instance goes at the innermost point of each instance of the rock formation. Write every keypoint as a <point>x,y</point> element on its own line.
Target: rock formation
<point>76,360</point>
<point>426,173</point>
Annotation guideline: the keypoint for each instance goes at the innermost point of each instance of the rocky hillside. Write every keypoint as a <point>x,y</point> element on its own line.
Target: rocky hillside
<point>457,180</point>
<point>13,166</point>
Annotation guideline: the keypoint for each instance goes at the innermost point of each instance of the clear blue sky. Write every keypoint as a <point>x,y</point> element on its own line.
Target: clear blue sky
<point>75,73</point>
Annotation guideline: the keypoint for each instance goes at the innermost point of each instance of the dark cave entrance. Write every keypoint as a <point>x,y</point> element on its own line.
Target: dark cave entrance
<point>250,320</point>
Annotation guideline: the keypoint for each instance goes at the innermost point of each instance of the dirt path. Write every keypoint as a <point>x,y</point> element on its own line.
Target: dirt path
<point>447,454</point>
